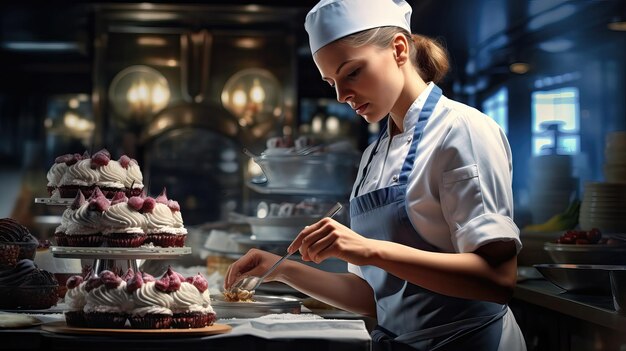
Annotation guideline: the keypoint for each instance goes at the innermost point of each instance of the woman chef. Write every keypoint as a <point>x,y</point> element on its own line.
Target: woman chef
<point>431,249</point>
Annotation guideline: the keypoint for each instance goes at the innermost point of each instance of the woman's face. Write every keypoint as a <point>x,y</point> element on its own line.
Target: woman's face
<point>367,78</point>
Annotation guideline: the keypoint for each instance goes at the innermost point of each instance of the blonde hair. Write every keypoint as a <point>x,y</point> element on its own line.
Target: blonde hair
<point>427,55</point>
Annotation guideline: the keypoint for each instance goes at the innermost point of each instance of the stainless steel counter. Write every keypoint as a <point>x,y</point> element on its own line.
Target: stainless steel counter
<point>596,309</point>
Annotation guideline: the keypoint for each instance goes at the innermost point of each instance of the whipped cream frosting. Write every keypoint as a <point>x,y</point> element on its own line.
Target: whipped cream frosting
<point>112,175</point>
<point>122,218</point>
<point>56,173</point>
<point>188,298</point>
<point>84,221</point>
<point>103,299</point>
<point>134,177</point>
<point>160,220</point>
<point>76,298</point>
<point>148,299</point>
<point>80,174</point>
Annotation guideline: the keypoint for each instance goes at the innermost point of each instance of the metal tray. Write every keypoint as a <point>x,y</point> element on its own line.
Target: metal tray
<point>262,305</point>
<point>582,278</point>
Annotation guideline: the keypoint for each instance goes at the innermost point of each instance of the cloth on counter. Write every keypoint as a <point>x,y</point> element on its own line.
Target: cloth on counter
<point>279,326</point>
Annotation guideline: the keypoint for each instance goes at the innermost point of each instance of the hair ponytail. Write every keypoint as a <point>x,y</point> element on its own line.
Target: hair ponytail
<point>429,57</point>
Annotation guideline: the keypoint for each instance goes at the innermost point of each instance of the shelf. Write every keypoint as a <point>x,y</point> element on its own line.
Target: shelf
<point>122,253</point>
<point>54,201</point>
<point>264,188</point>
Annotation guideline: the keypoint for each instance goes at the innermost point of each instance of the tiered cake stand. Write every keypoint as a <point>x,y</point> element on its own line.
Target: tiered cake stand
<point>104,258</point>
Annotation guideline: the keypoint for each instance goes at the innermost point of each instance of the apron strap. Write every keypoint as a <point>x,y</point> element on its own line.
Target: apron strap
<point>369,160</point>
<point>425,113</point>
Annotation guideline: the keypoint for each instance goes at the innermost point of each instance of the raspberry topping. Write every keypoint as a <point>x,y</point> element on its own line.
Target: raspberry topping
<point>93,283</point>
<point>74,281</point>
<point>199,282</point>
<point>134,283</point>
<point>119,197</point>
<point>63,158</point>
<point>147,277</point>
<point>162,198</point>
<point>173,205</point>
<point>110,279</point>
<point>169,282</point>
<point>128,275</point>
<point>148,205</point>
<point>124,161</point>
<point>79,200</point>
<point>99,204</point>
<point>136,202</point>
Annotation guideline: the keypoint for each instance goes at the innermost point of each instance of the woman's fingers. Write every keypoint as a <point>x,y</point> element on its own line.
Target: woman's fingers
<point>243,266</point>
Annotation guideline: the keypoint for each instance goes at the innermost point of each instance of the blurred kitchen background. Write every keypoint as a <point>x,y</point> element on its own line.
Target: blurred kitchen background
<point>184,88</point>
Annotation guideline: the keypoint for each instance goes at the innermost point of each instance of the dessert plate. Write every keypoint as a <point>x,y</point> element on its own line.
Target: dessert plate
<point>14,320</point>
<point>262,305</point>
<point>62,328</point>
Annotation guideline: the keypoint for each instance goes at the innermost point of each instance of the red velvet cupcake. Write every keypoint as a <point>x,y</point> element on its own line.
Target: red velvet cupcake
<point>122,223</point>
<point>151,304</point>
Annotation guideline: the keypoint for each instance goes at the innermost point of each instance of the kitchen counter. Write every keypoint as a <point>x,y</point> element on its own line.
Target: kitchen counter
<point>556,320</point>
<point>597,309</point>
<point>273,332</point>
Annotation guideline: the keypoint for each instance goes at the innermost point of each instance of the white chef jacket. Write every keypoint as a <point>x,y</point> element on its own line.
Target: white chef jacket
<point>459,194</point>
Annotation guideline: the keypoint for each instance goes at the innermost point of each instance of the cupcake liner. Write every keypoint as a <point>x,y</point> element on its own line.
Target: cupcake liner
<point>154,321</point>
<point>27,250</point>
<point>190,320</point>
<point>124,239</point>
<point>109,192</point>
<point>180,240</point>
<point>68,191</point>
<point>75,319</point>
<point>162,239</point>
<point>8,255</point>
<point>105,320</point>
<point>92,240</point>
<point>88,190</point>
<point>61,239</point>
<point>51,190</point>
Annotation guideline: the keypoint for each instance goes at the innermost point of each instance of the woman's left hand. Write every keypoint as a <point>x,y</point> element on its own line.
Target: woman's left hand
<point>329,238</point>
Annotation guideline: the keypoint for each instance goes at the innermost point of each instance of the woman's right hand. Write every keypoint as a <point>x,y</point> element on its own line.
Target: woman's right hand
<point>254,263</point>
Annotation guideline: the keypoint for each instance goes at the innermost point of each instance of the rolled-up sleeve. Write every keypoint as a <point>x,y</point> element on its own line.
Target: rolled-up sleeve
<point>475,185</point>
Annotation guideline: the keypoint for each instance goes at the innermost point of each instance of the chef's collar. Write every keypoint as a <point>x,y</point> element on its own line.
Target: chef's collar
<point>413,113</point>
<point>330,20</point>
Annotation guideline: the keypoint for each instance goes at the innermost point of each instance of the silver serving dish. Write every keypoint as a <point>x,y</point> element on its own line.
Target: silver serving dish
<point>261,306</point>
<point>331,171</point>
<point>593,279</point>
<point>598,254</point>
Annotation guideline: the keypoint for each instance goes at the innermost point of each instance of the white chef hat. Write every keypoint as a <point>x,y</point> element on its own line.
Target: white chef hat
<point>330,20</point>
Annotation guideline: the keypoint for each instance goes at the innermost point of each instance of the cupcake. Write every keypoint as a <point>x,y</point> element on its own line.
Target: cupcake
<point>160,222</point>
<point>179,227</point>
<point>192,303</point>
<point>82,176</point>
<point>133,183</point>
<point>76,299</point>
<point>12,234</point>
<point>66,219</point>
<point>122,223</point>
<point>151,304</point>
<point>107,301</point>
<point>111,174</point>
<point>69,183</point>
<point>84,227</point>
<point>56,173</point>
<point>25,286</point>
